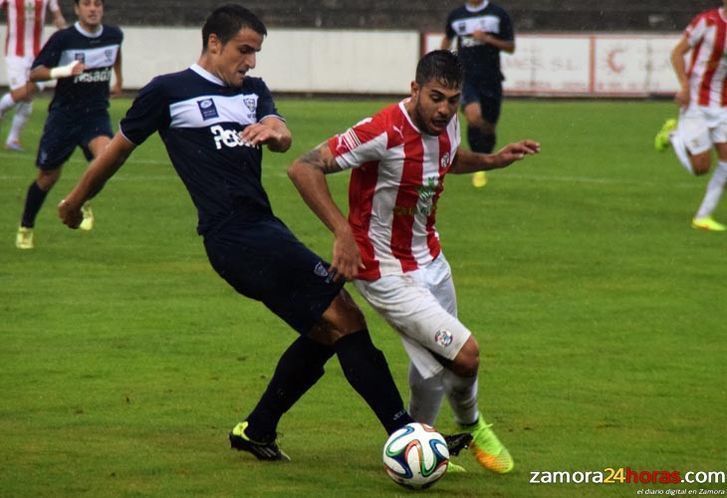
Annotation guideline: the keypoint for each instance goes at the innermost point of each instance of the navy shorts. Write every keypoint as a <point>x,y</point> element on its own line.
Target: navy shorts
<point>63,133</point>
<point>489,96</point>
<point>264,261</point>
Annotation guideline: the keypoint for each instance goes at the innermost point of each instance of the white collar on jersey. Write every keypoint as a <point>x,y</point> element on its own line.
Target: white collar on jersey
<point>88,34</point>
<point>476,8</point>
<point>206,74</point>
<point>402,107</point>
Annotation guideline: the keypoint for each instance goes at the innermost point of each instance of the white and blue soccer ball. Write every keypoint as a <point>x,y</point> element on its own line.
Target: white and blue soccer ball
<point>416,456</point>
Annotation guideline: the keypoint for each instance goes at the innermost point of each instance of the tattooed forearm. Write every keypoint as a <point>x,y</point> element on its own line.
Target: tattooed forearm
<point>322,159</point>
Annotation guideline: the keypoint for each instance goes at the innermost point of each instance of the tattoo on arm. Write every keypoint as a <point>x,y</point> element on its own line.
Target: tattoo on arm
<point>321,159</point>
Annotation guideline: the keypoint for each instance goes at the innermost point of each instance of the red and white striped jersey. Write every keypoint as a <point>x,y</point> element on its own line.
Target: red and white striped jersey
<point>25,25</point>
<point>397,178</point>
<point>707,68</point>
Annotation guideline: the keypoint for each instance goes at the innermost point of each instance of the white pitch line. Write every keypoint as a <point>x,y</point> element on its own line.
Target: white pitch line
<point>280,173</point>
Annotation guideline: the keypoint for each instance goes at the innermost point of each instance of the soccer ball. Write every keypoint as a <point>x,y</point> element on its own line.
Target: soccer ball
<point>416,456</point>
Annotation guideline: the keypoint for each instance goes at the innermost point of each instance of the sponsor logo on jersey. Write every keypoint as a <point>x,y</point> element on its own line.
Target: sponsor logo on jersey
<point>99,76</point>
<point>208,109</point>
<point>228,138</point>
<point>443,337</point>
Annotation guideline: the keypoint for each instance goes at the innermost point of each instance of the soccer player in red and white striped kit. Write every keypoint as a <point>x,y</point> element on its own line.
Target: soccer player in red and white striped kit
<point>702,100</point>
<point>390,247</point>
<point>25,20</point>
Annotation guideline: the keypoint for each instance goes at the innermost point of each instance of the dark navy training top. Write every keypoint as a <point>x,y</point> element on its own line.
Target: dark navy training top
<point>481,61</point>
<point>89,91</point>
<point>199,118</point>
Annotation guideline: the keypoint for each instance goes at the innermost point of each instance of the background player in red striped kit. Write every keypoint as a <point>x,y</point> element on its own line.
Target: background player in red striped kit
<point>702,100</point>
<point>25,20</point>
<point>390,245</point>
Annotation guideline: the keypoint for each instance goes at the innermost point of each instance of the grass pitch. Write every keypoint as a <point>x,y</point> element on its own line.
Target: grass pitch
<point>125,360</point>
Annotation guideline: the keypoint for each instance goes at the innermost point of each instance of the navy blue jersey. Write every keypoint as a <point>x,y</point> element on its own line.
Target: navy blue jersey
<point>199,119</point>
<point>481,61</point>
<point>89,91</point>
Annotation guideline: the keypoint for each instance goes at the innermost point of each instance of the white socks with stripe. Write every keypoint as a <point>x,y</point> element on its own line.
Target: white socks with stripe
<point>715,187</point>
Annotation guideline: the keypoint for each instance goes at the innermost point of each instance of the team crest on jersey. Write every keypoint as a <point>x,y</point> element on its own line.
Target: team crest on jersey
<point>80,57</point>
<point>461,28</point>
<point>443,337</point>
<point>250,102</point>
<point>444,161</point>
<point>109,54</point>
<point>208,109</point>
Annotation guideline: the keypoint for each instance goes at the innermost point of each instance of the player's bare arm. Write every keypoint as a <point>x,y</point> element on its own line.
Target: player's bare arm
<point>308,174</point>
<point>466,161</point>
<point>99,171</point>
<point>490,39</point>
<point>117,89</point>
<point>43,73</point>
<point>446,43</point>
<point>271,131</point>
<point>677,62</point>
<point>58,20</point>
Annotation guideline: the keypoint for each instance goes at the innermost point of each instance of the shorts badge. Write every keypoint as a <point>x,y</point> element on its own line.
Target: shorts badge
<point>443,337</point>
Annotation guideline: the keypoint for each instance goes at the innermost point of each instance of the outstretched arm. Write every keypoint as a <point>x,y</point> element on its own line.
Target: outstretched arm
<point>308,175</point>
<point>94,178</point>
<point>468,162</point>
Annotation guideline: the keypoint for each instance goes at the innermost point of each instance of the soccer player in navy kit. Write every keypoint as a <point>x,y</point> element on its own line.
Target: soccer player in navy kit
<point>214,120</point>
<point>82,59</point>
<point>482,29</point>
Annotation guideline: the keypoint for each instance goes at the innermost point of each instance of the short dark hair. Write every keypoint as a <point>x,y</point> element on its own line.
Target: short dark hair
<point>442,66</point>
<point>79,1</point>
<point>228,20</point>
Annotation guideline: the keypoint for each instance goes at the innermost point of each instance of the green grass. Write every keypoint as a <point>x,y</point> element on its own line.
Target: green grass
<point>124,359</point>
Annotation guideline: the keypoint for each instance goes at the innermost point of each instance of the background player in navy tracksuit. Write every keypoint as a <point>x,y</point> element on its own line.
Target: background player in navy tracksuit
<point>213,120</point>
<point>82,58</point>
<point>482,29</point>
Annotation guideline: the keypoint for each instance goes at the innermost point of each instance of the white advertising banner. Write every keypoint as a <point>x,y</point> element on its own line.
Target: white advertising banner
<point>383,62</point>
<point>608,65</point>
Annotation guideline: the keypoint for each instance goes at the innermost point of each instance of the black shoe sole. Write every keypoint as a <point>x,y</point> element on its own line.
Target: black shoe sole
<point>458,442</point>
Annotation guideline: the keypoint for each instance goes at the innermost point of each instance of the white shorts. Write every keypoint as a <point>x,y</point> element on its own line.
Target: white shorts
<point>18,69</point>
<point>421,306</point>
<point>701,127</point>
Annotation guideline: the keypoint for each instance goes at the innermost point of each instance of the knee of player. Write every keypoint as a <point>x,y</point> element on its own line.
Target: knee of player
<point>701,163</point>
<point>343,315</point>
<point>46,179</point>
<point>467,361</point>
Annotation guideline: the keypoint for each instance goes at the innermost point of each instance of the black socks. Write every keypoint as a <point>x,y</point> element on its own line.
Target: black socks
<point>33,202</point>
<point>367,371</point>
<point>298,369</point>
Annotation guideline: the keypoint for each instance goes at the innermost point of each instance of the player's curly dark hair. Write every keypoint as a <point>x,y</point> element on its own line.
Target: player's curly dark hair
<point>228,20</point>
<point>442,66</point>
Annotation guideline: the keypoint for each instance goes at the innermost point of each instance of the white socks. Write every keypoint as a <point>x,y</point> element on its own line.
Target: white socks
<point>715,187</point>
<point>6,102</point>
<point>426,396</point>
<point>462,395</point>
<point>22,115</point>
